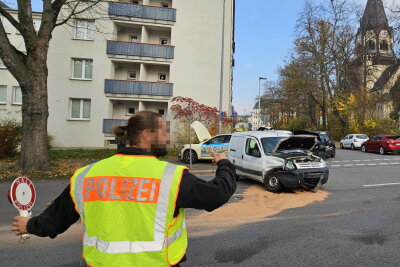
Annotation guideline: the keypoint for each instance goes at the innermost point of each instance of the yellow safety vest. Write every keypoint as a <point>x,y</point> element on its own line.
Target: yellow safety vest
<point>127,206</point>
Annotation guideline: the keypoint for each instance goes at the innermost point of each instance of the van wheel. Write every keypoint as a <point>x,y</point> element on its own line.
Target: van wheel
<point>272,183</point>
<point>186,156</point>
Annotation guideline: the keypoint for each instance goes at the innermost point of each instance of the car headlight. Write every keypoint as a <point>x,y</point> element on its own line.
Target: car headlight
<point>289,165</point>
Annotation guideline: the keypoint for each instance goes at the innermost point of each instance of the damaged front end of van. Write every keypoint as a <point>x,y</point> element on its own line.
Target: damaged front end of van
<point>298,167</point>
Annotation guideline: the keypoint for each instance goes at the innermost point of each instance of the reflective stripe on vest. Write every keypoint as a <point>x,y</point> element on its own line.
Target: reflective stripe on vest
<point>159,221</point>
<point>130,247</point>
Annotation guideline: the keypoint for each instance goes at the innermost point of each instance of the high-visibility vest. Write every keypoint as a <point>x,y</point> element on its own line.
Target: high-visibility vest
<point>127,206</point>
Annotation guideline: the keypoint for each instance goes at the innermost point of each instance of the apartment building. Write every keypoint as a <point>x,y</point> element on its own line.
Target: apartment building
<point>136,56</point>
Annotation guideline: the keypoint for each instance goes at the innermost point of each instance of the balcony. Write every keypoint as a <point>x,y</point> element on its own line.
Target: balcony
<point>129,10</point>
<point>108,124</point>
<point>140,49</point>
<point>126,87</point>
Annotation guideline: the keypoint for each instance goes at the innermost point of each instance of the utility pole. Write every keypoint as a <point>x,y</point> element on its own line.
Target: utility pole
<point>259,99</point>
<point>221,85</point>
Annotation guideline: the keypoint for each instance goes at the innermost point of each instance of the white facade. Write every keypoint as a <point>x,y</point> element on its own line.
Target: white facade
<point>142,55</point>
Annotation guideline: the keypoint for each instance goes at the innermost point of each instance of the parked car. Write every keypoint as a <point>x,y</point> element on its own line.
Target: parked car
<point>202,150</point>
<point>325,146</point>
<point>277,159</point>
<point>382,144</point>
<point>353,141</point>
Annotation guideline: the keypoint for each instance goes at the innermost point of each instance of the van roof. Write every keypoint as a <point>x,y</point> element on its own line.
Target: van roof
<point>261,134</point>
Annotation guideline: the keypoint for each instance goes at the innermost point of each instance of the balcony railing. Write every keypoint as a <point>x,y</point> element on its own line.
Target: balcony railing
<point>140,49</point>
<point>138,88</point>
<point>141,11</point>
<point>108,124</point>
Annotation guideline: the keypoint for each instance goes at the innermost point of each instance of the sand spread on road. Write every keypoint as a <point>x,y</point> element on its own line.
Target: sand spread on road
<point>257,204</point>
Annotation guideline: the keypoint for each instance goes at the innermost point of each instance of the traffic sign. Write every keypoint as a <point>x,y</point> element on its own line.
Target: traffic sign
<point>222,115</point>
<point>234,114</point>
<point>22,194</point>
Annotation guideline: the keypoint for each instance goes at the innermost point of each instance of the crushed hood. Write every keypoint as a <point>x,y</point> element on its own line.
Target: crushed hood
<point>201,131</point>
<point>305,142</point>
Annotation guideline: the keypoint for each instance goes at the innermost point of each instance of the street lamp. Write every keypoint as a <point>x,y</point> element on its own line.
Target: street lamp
<point>221,81</point>
<point>259,99</point>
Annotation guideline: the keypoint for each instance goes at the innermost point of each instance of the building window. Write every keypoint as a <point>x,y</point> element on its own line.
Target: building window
<point>132,75</point>
<point>36,24</point>
<point>161,111</point>
<point>84,29</point>
<point>83,69</point>
<point>371,45</point>
<point>80,109</point>
<point>130,111</point>
<point>3,94</point>
<point>162,77</point>
<point>133,38</point>
<point>2,66</point>
<point>17,95</point>
<point>384,45</point>
<point>165,5</point>
<point>163,41</point>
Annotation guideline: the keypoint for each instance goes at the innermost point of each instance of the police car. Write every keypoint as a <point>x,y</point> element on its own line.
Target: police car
<point>202,151</point>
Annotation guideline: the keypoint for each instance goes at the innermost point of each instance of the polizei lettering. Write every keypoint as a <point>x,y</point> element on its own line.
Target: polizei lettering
<point>144,190</point>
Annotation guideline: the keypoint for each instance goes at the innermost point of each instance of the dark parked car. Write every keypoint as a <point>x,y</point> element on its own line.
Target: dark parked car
<point>382,144</point>
<point>325,146</point>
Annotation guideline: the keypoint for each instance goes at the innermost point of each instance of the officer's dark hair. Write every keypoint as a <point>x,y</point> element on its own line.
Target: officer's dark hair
<point>137,123</point>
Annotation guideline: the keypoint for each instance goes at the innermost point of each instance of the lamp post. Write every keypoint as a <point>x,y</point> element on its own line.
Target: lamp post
<point>259,99</point>
<point>221,85</point>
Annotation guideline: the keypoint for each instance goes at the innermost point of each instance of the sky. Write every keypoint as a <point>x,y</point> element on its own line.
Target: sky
<point>264,36</point>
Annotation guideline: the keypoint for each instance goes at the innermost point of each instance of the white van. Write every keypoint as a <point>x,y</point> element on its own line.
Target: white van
<point>278,159</point>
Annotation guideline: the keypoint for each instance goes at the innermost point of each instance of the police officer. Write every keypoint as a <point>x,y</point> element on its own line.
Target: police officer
<point>132,204</point>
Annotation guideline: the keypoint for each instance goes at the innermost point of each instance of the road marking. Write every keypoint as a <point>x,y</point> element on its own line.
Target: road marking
<point>348,165</point>
<point>377,159</point>
<point>383,163</point>
<point>394,163</point>
<point>360,164</point>
<point>375,185</point>
<point>336,165</point>
<point>345,160</point>
<point>387,159</point>
<point>366,160</point>
<point>356,160</point>
<point>335,161</point>
<point>372,164</point>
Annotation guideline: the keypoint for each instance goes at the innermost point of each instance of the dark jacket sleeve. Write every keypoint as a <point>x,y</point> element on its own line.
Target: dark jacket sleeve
<point>56,219</point>
<point>208,195</point>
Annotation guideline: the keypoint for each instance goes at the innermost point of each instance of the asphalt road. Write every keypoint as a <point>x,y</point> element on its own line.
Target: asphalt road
<point>357,225</point>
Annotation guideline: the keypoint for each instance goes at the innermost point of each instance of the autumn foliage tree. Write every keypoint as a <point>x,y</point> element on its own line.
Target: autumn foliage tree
<point>186,109</point>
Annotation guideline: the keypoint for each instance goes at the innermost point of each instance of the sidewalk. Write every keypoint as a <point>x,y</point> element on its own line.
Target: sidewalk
<point>202,167</point>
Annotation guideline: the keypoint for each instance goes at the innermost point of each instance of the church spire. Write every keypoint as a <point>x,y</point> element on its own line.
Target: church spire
<point>374,18</point>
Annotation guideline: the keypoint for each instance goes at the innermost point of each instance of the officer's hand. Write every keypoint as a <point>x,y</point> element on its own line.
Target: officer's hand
<point>217,157</point>
<point>19,225</point>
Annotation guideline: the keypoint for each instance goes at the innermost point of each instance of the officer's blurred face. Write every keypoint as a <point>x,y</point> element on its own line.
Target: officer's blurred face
<point>161,138</point>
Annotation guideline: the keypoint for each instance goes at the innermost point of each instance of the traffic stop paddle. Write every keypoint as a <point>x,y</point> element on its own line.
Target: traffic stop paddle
<point>22,195</point>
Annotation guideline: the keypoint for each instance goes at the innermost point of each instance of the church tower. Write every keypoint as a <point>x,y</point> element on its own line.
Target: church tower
<point>374,42</point>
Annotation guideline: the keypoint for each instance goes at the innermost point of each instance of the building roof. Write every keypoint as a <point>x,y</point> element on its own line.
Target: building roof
<point>3,5</point>
<point>374,17</point>
<point>390,73</point>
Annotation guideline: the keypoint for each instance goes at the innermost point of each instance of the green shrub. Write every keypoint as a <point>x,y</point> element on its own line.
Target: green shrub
<point>298,123</point>
<point>10,138</point>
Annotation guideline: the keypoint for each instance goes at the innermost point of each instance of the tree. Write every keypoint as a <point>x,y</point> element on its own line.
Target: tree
<point>30,69</point>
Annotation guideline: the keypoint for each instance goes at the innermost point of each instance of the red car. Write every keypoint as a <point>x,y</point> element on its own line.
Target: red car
<point>382,144</point>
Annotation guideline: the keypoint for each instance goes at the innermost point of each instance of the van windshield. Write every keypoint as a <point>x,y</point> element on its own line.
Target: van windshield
<point>269,143</point>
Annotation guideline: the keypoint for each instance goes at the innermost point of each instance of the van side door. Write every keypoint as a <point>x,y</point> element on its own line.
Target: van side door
<point>235,152</point>
<point>252,163</point>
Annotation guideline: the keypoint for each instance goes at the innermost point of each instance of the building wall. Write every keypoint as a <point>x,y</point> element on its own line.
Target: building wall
<point>194,71</point>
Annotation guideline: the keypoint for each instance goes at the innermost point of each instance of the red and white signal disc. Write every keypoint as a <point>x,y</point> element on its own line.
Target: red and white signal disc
<point>22,193</point>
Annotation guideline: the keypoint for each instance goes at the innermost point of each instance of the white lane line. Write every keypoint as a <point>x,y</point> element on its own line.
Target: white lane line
<point>335,161</point>
<point>348,165</point>
<point>372,164</point>
<point>375,185</point>
<point>336,165</point>
<point>383,163</point>
<point>394,163</point>
<point>356,160</point>
<point>345,160</point>
<point>366,160</point>
<point>360,164</point>
<point>377,159</point>
<point>387,159</point>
